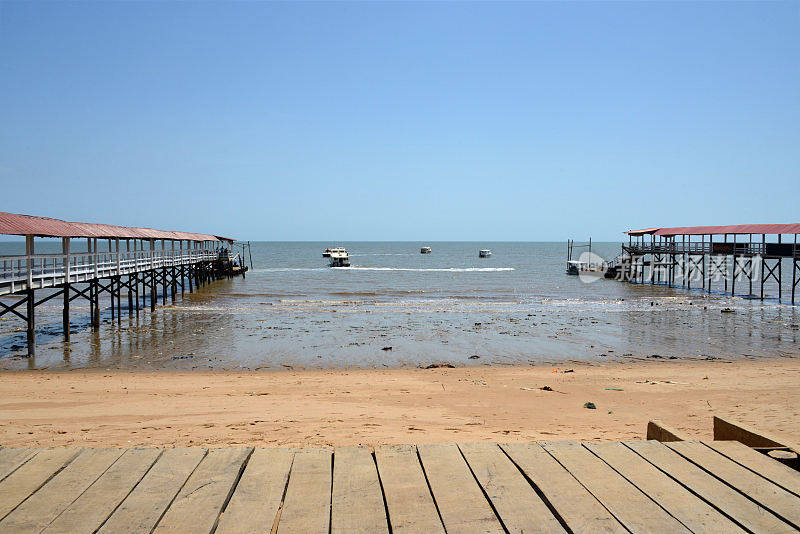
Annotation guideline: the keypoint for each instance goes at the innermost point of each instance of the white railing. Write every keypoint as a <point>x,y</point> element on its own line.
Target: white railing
<point>38,271</point>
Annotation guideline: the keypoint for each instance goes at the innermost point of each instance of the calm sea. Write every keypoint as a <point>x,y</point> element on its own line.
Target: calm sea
<point>517,307</point>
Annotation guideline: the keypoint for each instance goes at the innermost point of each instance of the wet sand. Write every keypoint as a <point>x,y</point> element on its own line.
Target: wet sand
<point>345,407</point>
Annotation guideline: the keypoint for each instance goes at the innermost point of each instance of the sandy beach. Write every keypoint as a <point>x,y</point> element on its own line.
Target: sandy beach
<point>372,407</point>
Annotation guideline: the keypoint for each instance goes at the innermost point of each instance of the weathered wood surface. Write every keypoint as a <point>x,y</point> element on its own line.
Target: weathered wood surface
<point>627,503</point>
<point>408,498</point>
<point>679,502</point>
<point>731,502</point>
<point>307,505</point>
<point>201,500</point>
<point>255,503</point>
<point>769,495</point>
<point>357,501</point>
<point>514,499</point>
<point>461,502</point>
<point>642,486</point>
<point>759,463</point>
<point>578,508</point>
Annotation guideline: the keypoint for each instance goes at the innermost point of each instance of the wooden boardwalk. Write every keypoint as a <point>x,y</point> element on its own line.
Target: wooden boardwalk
<point>643,486</point>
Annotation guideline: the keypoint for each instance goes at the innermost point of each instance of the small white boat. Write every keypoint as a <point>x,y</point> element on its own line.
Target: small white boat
<point>326,253</point>
<point>339,258</point>
<point>575,266</point>
<point>425,250</point>
<point>485,253</point>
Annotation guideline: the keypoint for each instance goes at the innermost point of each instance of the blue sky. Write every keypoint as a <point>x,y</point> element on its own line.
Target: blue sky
<point>401,121</point>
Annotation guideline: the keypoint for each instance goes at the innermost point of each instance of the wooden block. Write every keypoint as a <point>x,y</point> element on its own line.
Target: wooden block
<point>258,495</point>
<point>459,498</point>
<point>718,494</point>
<point>94,506</point>
<point>32,475</point>
<point>735,431</point>
<point>142,509</point>
<point>514,499</point>
<point>11,459</point>
<point>197,507</point>
<point>41,508</point>
<point>408,498</point>
<point>660,432</point>
<point>357,501</point>
<point>307,505</point>
<point>769,495</point>
<point>629,505</point>
<point>686,507</point>
<point>772,470</point>
<point>578,508</point>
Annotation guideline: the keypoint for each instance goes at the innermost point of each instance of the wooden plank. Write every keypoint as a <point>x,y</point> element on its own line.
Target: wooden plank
<point>769,495</point>
<point>514,499</point>
<point>307,505</point>
<point>258,495</point>
<point>577,507</point>
<point>94,506</point>
<point>408,498</point>
<point>460,500</point>
<point>31,476</point>
<point>43,506</point>
<point>778,473</point>
<point>693,512</point>
<point>357,500</point>
<point>718,494</point>
<point>629,505</point>
<point>11,459</point>
<point>197,507</point>
<point>735,431</point>
<point>658,431</point>
<point>142,509</point>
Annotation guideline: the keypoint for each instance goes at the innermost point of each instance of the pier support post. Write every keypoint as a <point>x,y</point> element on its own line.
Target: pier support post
<point>96,321</point>
<point>65,244</point>
<point>31,316</point>
<point>153,295</point>
<point>65,312</point>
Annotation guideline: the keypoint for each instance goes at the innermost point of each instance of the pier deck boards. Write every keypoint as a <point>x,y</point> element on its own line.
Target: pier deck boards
<point>642,486</point>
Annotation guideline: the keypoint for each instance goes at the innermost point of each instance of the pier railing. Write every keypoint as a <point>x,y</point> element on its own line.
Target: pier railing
<point>729,248</point>
<point>37,271</point>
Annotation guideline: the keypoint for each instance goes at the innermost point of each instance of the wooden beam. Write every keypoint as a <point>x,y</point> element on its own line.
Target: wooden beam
<point>735,431</point>
<point>660,432</point>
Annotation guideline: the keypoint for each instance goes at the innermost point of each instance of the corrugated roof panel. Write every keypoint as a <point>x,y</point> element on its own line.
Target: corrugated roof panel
<point>771,229</point>
<point>17,224</point>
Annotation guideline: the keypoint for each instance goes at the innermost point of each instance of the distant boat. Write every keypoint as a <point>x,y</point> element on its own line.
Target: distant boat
<point>326,253</point>
<point>425,250</point>
<point>485,253</point>
<point>339,258</point>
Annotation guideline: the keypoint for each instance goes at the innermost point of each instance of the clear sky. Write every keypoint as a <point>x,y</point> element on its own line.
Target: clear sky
<point>401,121</point>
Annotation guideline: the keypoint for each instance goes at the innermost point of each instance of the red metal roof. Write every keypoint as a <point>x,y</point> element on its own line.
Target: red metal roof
<point>771,229</point>
<point>16,224</point>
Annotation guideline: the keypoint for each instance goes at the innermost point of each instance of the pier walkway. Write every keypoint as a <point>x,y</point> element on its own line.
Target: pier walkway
<point>140,263</point>
<point>644,486</point>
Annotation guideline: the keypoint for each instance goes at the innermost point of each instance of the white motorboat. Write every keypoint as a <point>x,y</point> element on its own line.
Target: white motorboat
<point>485,253</point>
<point>425,250</point>
<point>339,258</point>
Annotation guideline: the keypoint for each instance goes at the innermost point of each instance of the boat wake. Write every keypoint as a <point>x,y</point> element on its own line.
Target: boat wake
<point>431,269</point>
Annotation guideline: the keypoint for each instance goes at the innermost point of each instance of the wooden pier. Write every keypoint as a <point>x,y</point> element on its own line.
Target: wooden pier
<point>644,486</point>
<point>140,263</point>
<point>722,257</point>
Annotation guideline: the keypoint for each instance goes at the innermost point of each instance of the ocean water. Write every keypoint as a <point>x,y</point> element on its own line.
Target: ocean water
<point>397,307</point>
